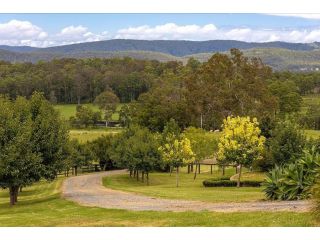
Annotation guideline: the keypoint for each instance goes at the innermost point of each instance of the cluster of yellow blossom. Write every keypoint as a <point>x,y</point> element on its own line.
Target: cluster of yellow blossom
<point>241,141</point>
<point>177,152</point>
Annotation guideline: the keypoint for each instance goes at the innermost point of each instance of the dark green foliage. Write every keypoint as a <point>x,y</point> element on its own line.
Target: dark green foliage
<point>137,150</point>
<point>286,143</point>
<point>49,135</point>
<point>288,96</point>
<point>293,181</point>
<point>78,155</point>
<point>311,120</point>
<point>229,183</point>
<point>102,149</point>
<point>33,142</point>
<point>126,114</point>
<point>85,117</point>
<point>107,102</point>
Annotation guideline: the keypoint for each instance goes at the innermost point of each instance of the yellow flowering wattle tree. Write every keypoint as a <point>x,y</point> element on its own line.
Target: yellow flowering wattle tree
<point>177,153</point>
<point>241,142</point>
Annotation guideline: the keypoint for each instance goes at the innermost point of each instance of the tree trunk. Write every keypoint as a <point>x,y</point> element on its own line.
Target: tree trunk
<point>12,197</point>
<point>177,177</point>
<point>16,191</point>
<point>223,170</point>
<point>142,176</point>
<point>148,178</point>
<point>239,176</point>
<point>131,173</point>
<point>170,171</point>
<point>21,189</point>
<point>76,170</point>
<point>191,167</point>
<point>199,168</point>
<point>134,173</point>
<point>137,175</point>
<point>195,172</point>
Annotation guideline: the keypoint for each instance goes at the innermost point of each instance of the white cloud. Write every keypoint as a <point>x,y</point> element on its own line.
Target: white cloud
<point>171,31</point>
<point>77,34</point>
<point>167,31</point>
<point>298,15</point>
<point>19,33</point>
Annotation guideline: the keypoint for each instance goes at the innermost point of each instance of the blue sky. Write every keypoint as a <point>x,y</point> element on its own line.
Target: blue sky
<point>56,29</point>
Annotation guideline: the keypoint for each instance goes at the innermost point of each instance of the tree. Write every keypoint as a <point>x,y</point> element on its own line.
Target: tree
<point>177,153</point>
<point>137,150</point>
<point>286,143</point>
<point>204,144</point>
<point>107,101</point>
<point>102,149</point>
<point>241,142</point>
<point>85,116</point>
<point>20,164</point>
<point>33,142</point>
<point>228,85</point>
<point>288,97</point>
<point>78,155</point>
<point>50,135</point>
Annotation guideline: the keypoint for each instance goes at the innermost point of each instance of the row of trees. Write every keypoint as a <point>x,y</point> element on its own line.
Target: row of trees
<point>81,80</point>
<point>202,95</point>
<point>33,142</point>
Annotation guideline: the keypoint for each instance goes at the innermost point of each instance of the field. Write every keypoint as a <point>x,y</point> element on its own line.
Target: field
<point>162,185</point>
<point>69,110</point>
<point>312,133</point>
<point>85,135</point>
<point>41,205</point>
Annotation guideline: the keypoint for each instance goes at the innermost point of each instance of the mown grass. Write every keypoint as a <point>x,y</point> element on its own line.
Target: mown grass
<point>312,133</point>
<point>256,176</point>
<point>41,205</point>
<point>69,110</point>
<point>86,135</point>
<point>162,185</point>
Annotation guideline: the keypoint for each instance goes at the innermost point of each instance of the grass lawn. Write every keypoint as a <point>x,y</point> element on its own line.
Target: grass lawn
<point>312,133</point>
<point>69,110</point>
<point>256,176</point>
<point>41,205</point>
<point>163,186</point>
<point>85,135</point>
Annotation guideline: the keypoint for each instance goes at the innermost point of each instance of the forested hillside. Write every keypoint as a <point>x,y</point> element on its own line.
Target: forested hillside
<point>278,55</point>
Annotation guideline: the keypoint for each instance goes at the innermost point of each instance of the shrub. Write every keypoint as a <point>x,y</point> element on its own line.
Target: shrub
<point>293,181</point>
<point>229,183</point>
<point>286,143</point>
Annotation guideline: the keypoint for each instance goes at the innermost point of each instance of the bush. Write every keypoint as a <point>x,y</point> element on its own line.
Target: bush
<point>293,181</point>
<point>286,143</point>
<point>229,183</point>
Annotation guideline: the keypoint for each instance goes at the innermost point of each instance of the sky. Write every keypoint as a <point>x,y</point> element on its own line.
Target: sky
<point>45,30</point>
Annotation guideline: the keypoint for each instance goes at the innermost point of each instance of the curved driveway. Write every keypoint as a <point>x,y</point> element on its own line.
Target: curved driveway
<point>87,190</point>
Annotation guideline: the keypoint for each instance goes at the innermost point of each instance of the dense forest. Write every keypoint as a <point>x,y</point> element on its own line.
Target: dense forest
<point>195,93</point>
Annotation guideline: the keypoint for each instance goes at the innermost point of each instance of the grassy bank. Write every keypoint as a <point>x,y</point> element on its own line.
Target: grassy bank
<point>163,185</point>
<point>41,205</point>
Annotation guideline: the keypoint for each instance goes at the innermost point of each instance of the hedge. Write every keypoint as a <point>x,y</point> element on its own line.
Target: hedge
<point>229,183</point>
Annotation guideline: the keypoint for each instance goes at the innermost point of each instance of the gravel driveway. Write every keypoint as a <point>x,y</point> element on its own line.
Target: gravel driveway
<point>87,190</point>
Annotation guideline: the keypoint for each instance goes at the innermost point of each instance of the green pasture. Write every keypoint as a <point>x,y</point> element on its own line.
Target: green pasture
<point>163,185</point>
<point>87,135</point>
<point>42,205</point>
<point>69,110</point>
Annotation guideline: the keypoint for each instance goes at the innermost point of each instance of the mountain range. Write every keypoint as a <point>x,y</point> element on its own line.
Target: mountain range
<point>279,55</point>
